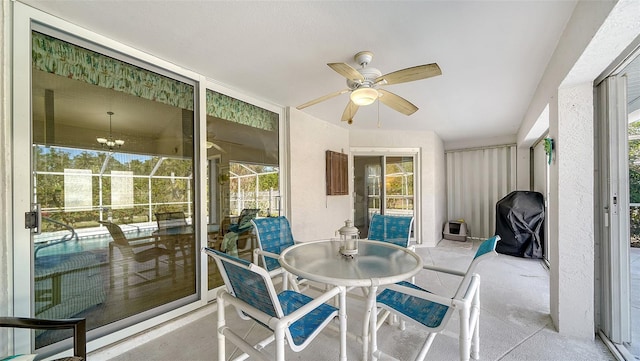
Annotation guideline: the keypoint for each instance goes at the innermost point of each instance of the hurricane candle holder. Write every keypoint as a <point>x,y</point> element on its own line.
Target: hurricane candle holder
<point>349,239</point>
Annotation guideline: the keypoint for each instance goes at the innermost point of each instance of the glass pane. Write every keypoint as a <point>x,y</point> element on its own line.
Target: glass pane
<point>399,186</point>
<point>634,183</point>
<point>242,147</point>
<point>368,189</point>
<point>112,149</point>
<point>253,186</point>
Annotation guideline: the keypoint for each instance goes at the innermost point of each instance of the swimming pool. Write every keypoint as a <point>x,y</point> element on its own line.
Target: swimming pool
<point>88,239</point>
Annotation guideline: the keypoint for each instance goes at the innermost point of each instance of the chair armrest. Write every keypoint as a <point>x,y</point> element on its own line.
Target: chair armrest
<point>139,242</point>
<point>266,254</point>
<point>443,270</point>
<point>246,308</point>
<point>447,301</point>
<point>79,326</point>
<point>317,301</point>
<point>272,321</point>
<point>256,254</point>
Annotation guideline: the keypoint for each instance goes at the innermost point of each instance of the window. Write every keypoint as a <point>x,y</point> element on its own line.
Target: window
<point>243,153</point>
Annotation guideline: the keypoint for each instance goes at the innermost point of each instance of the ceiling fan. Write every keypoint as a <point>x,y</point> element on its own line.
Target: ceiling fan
<point>364,85</point>
<point>215,145</point>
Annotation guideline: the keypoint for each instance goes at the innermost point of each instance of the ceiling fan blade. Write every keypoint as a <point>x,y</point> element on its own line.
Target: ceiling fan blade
<point>346,71</point>
<point>214,145</point>
<point>322,98</point>
<point>349,112</point>
<point>397,102</point>
<point>411,74</point>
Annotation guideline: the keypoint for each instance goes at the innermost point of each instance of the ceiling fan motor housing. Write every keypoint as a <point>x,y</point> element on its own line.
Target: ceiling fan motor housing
<point>363,58</point>
<point>369,74</point>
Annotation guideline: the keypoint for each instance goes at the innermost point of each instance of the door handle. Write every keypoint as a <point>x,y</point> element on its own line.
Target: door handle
<point>33,219</point>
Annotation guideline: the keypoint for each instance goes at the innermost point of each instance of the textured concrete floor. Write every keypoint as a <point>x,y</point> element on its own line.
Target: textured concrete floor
<point>514,321</point>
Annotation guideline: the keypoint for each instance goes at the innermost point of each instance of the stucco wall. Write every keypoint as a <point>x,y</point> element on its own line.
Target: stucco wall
<point>314,215</point>
<point>571,200</point>
<point>433,209</point>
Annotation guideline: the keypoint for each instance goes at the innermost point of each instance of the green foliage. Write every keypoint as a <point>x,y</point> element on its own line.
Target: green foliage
<point>634,184</point>
<point>269,181</point>
<point>399,183</point>
<point>634,180</point>
<point>634,164</point>
<point>168,190</point>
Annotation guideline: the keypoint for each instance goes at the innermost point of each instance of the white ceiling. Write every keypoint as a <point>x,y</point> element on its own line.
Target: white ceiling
<point>492,53</point>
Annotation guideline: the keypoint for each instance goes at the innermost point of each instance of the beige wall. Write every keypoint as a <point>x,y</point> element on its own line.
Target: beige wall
<point>433,210</point>
<point>313,214</point>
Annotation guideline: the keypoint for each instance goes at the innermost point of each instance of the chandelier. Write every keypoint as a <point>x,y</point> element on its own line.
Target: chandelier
<point>110,142</point>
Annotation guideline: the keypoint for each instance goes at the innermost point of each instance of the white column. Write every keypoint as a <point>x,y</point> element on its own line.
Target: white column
<point>571,216</point>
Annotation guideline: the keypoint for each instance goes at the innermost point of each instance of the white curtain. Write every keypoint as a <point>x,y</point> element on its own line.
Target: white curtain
<point>476,180</point>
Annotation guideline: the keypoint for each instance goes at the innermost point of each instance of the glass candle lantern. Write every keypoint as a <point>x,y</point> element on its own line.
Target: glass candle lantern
<point>349,238</point>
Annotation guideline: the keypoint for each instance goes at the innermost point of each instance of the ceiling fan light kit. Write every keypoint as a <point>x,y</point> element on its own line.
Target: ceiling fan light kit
<point>364,83</point>
<point>364,96</point>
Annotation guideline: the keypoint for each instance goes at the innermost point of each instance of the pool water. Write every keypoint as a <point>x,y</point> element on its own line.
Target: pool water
<point>88,240</point>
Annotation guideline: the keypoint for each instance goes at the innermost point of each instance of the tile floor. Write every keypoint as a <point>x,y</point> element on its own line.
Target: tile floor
<point>514,322</point>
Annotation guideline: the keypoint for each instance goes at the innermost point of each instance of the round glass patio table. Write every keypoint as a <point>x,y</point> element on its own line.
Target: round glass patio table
<point>377,263</point>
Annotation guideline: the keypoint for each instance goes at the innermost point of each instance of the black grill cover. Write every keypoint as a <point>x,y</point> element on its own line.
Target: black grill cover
<point>519,223</point>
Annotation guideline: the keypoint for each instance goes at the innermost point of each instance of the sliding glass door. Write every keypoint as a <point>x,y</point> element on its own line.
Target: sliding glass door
<point>110,164</point>
<point>617,202</point>
<point>109,203</point>
<point>383,184</point>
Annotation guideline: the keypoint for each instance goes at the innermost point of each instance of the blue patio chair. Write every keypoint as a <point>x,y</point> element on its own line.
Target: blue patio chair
<point>433,311</point>
<point>243,223</point>
<point>290,315</point>
<point>235,236</point>
<point>274,236</point>
<point>395,230</point>
<point>392,229</point>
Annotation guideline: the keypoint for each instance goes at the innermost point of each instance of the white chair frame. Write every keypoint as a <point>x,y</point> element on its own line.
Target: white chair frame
<point>466,301</point>
<point>279,324</point>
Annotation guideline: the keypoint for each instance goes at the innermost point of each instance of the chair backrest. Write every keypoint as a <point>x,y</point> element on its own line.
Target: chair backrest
<point>486,250</point>
<point>77,325</point>
<point>119,239</point>
<point>171,219</point>
<point>273,235</point>
<point>244,220</point>
<point>392,229</point>
<point>247,282</point>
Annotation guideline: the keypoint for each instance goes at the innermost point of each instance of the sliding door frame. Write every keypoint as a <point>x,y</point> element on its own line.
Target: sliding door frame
<point>26,19</point>
<point>417,180</point>
<point>612,211</point>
